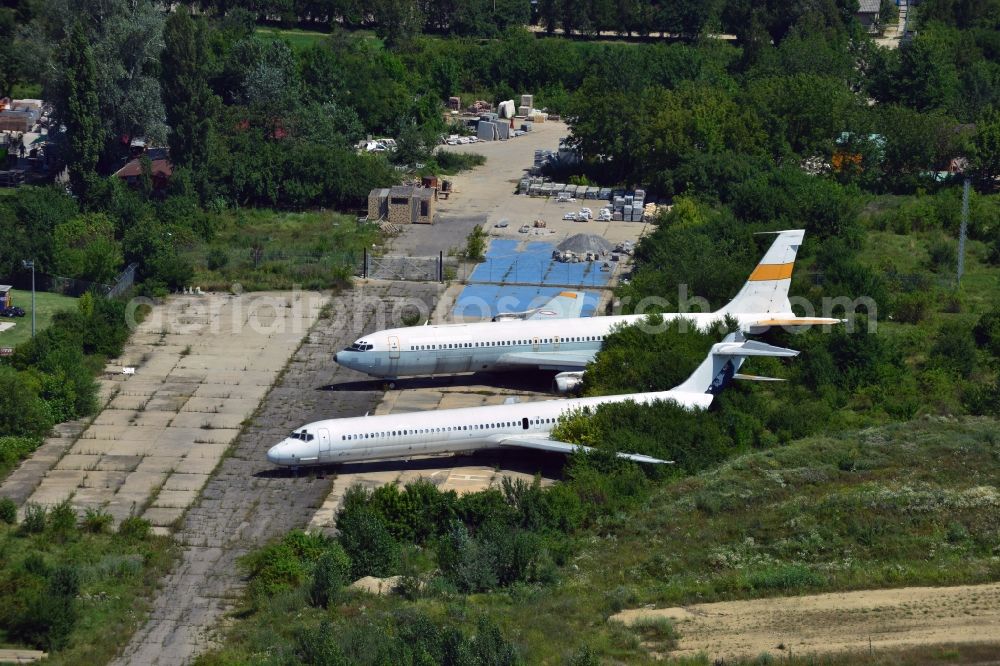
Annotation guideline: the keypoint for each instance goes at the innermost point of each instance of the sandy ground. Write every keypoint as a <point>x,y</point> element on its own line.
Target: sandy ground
<point>838,622</point>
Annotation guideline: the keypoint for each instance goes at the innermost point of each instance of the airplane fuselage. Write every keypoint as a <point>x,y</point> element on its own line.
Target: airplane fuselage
<point>390,436</point>
<point>489,346</point>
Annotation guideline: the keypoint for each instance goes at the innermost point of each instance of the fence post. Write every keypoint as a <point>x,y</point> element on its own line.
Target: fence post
<point>441,266</point>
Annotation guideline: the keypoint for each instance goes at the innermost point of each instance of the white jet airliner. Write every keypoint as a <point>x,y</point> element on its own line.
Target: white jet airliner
<point>520,425</point>
<point>543,339</point>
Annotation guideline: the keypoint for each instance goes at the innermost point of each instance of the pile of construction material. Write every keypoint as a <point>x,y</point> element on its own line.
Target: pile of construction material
<point>527,110</point>
<point>584,243</point>
<point>479,107</point>
<point>629,207</point>
<point>539,187</point>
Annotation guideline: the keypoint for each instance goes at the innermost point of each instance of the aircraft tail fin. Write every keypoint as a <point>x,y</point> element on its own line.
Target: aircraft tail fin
<point>724,360</point>
<point>766,290</point>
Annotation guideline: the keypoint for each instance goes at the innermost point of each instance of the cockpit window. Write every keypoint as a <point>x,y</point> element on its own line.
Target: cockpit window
<point>303,436</point>
<point>360,347</point>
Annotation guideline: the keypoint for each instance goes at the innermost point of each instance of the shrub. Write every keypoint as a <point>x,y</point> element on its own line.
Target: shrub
<point>954,348</point>
<point>217,258</point>
<point>62,520</point>
<point>51,615</point>
<point>368,543</point>
<point>134,528</point>
<point>987,331</point>
<point>22,412</point>
<point>13,449</point>
<point>475,244</point>
<point>330,575</point>
<point>34,519</point>
<point>942,255</point>
<point>8,510</point>
<point>911,308</point>
<point>284,564</point>
<point>465,562</point>
<point>97,521</point>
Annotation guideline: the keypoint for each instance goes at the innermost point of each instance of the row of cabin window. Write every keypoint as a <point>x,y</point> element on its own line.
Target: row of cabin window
<point>423,431</point>
<point>502,343</point>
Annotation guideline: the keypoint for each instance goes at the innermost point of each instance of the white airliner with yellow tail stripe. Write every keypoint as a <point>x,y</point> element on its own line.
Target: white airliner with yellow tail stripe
<point>554,337</point>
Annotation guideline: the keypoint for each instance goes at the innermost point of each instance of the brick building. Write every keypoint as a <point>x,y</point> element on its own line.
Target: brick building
<point>402,204</point>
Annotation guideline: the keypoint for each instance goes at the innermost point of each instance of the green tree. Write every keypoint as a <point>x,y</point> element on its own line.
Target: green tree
<point>985,160</point>
<point>85,248</point>
<point>22,411</point>
<point>81,112</point>
<point>331,573</point>
<point>186,96</point>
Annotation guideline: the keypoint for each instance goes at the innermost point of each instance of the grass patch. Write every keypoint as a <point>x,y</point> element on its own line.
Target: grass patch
<point>26,90</point>
<point>46,304</point>
<point>265,250</point>
<point>300,40</point>
<point>117,575</point>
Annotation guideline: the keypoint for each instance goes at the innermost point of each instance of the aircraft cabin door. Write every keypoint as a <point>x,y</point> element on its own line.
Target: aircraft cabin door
<point>535,343</point>
<point>555,342</point>
<point>324,443</point>
<point>393,347</point>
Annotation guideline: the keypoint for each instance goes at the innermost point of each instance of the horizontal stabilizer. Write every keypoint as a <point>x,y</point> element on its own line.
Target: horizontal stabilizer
<point>724,361</point>
<point>751,348</point>
<point>757,378</point>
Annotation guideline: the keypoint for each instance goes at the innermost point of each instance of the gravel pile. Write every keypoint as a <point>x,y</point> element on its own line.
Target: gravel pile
<point>583,243</point>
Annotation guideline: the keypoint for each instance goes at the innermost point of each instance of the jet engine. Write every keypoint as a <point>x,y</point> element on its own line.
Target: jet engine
<point>568,382</point>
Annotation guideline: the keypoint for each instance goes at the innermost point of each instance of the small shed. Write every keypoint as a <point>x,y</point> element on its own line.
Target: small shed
<point>378,204</point>
<point>402,204</point>
<point>867,14</point>
<point>5,295</point>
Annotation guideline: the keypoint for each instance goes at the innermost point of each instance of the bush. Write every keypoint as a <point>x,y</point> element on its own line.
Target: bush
<point>97,521</point>
<point>284,564</point>
<point>465,562</point>
<point>8,510</point>
<point>330,575</point>
<point>987,331</point>
<point>51,615</point>
<point>451,162</point>
<point>14,449</point>
<point>368,543</point>
<point>134,528</point>
<point>954,349</point>
<point>62,520</point>
<point>217,259</point>
<point>34,519</point>
<point>22,412</point>
<point>911,308</point>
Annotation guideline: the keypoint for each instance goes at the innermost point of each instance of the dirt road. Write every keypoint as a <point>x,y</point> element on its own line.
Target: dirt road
<point>838,622</point>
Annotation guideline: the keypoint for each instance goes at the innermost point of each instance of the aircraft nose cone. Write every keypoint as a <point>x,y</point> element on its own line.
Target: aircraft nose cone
<point>337,358</point>
<point>274,454</point>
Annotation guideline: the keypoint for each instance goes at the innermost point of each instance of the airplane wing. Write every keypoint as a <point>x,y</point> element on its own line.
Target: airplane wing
<point>540,443</point>
<point>565,305</point>
<point>549,360</point>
